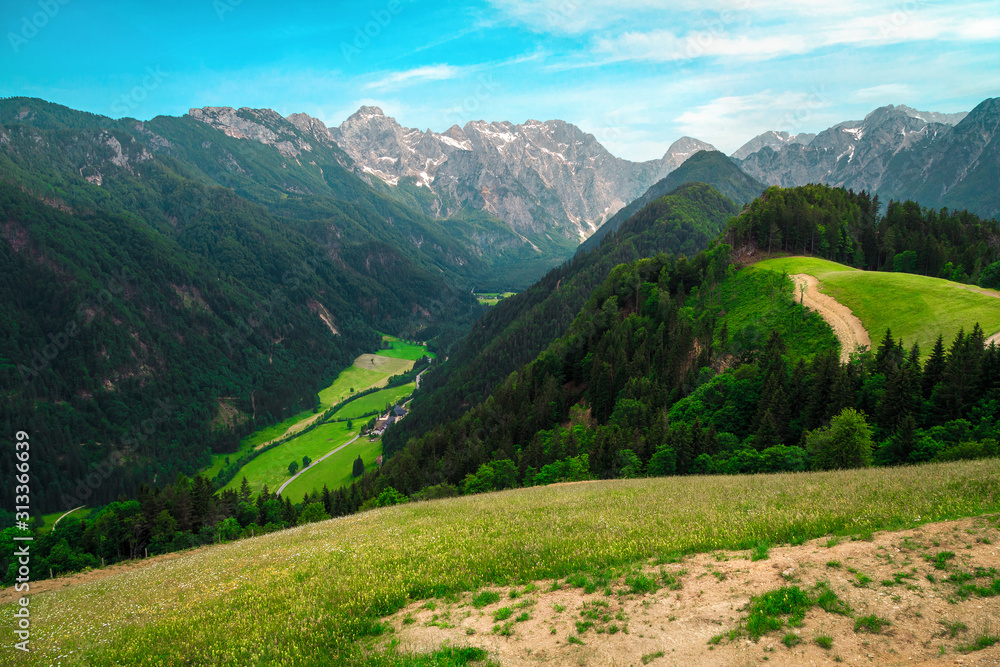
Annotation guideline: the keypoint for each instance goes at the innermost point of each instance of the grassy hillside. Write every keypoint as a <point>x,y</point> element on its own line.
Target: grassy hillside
<point>757,301</point>
<point>314,595</point>
<point>374,402</point>
<point>916,308</point>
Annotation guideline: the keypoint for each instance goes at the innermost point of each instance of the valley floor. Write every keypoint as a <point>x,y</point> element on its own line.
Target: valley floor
<point>888,576</point>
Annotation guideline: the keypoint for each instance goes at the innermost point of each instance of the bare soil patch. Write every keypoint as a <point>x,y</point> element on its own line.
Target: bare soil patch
<point>893,576</point>
<point>848,328</point>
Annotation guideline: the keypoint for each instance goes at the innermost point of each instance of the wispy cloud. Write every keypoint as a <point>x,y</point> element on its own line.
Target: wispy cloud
<point>732,120</point>
<point>885,91</point>
<point>413,76</point>
<point>729,39</point>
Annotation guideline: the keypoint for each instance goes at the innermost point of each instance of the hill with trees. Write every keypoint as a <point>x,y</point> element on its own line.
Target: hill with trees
<point>514,331</point>
<point>711,167</point>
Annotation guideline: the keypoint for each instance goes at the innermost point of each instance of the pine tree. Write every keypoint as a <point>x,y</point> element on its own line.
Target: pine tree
<point>327,501</point>
<point>245,491</point>
<point>934,368</point>
<point>359,467</point>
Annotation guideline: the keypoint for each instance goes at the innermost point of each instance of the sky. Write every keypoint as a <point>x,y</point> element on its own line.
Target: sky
<point>637,74</point>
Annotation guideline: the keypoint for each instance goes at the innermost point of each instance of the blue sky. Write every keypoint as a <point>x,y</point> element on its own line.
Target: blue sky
<point>637,74</point>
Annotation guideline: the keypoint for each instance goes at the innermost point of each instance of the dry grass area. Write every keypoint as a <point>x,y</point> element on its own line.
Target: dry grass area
<point>330,593</point>
<point>700,597</point>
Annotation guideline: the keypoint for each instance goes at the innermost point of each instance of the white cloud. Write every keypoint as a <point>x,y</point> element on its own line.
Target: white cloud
<point>727,38</point>
<point>729,122</point>
<point>414,76</point>
<point>887,91</point>
<point>580,16</point>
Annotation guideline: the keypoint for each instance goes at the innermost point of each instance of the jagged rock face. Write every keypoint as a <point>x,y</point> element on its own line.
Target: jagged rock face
<point>850,154</point>
<point>535,176</point>
<point>895,152</point>
<point>934,116</point>
<point>262,125</point>
<point>775,140</point>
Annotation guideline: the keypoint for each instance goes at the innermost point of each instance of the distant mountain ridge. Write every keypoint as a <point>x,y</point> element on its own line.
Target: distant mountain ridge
<point>536,176</point>
<point>938,160</point>
<point>710,167</point>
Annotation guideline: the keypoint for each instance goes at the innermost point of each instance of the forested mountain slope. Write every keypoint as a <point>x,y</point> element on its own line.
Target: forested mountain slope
<point>518,328</point>
<point>711,167</point>
<point>132,281</point>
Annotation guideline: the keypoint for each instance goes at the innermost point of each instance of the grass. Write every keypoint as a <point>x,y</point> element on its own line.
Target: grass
<point>271,467</point>
<point>763,301</point>
<point>916,308</point>
<point>318,594</point>
<point>981,642</point>
<point>492,298</point>
<point>336,470</point>
<point>248,443</point>
<point>374,402</point>
<point>353,377</point>
<point>403,350</point>
<point>49,519</point>
<point>368,370</point>
<point>872,624</point>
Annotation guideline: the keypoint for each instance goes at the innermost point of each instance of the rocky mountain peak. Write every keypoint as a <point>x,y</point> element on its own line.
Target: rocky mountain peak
<point>933,116</point>
<point>773,139</point>
<point>537,176</point>
<point>262,125</point>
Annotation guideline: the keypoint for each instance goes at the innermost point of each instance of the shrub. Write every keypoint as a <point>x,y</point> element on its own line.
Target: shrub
<point>846,443</point>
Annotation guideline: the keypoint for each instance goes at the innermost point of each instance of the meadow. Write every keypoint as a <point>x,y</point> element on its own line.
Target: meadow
<point>376,401</point>
<point>916,308</point>
<point>317,594</point>
<point>367,371</point>
<point>492,298</point>
<point>334,471</point>
<point>402,350</point>
<point>271,467</point>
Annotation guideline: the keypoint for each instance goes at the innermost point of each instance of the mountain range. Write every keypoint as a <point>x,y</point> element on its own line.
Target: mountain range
<point>538,177</point>
<point>938,160</point>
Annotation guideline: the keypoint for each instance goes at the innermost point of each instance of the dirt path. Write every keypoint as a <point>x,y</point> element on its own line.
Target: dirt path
<point>845,324</point>
<point>892,576</point>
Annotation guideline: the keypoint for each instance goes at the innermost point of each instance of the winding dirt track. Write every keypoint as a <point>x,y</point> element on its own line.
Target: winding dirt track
<point>845,324</point>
